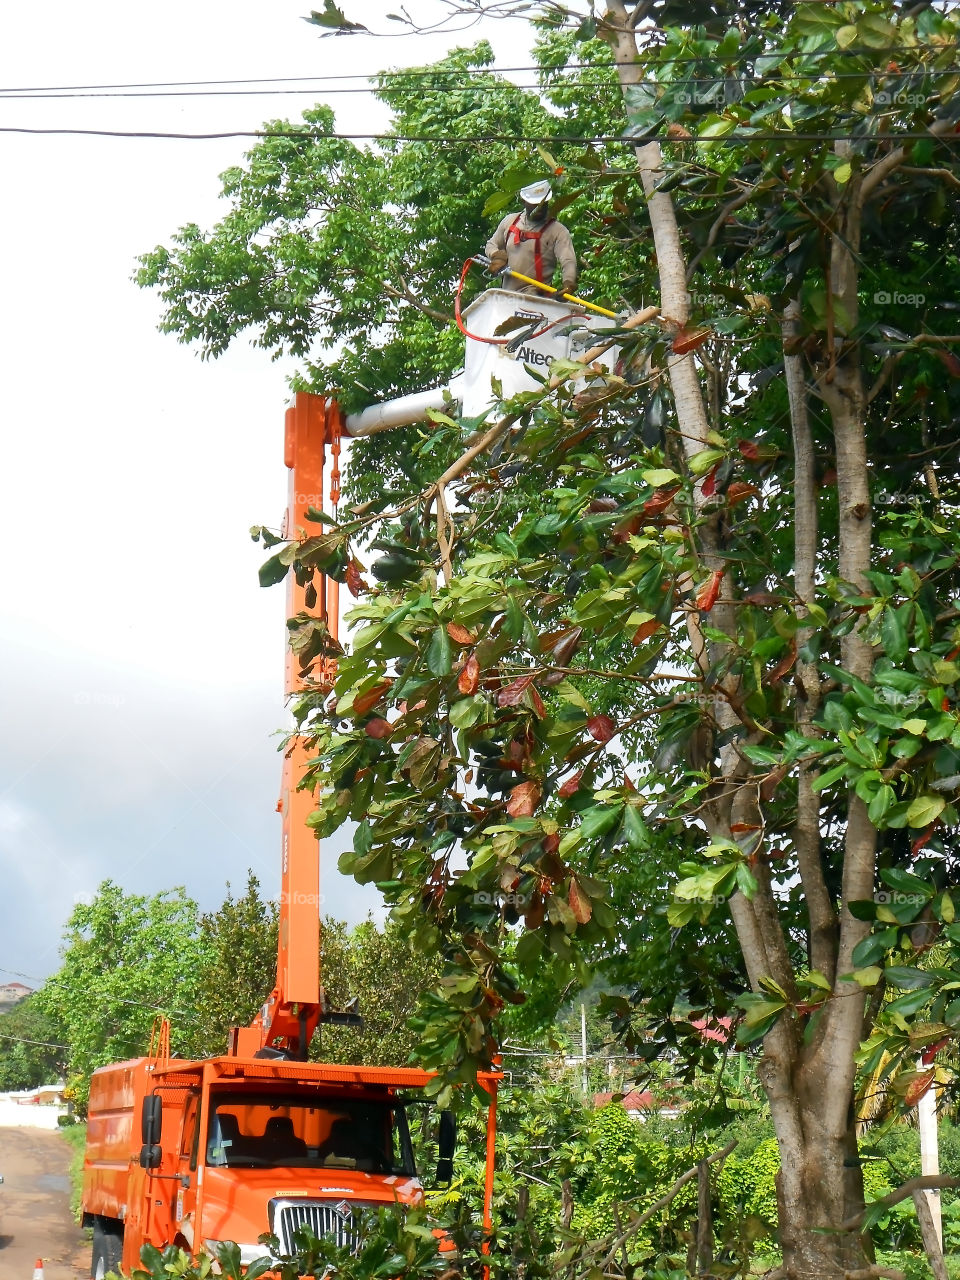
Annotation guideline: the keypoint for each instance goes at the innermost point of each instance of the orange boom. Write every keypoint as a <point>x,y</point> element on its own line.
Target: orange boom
<point>260,1139</point>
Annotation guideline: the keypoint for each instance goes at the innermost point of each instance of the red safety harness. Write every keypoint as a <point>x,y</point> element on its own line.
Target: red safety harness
<point>519,236</point>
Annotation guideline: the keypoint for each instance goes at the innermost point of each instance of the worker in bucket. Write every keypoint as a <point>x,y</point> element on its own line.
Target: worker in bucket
<point>533,244</point>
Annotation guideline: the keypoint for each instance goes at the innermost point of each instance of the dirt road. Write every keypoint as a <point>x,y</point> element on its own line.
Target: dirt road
<point>35,1218</point>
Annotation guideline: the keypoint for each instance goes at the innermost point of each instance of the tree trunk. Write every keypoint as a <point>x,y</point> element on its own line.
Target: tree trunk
<point>809,1086</point>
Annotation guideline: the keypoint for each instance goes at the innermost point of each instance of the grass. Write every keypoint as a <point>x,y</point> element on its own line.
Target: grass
<point>76,1136</point>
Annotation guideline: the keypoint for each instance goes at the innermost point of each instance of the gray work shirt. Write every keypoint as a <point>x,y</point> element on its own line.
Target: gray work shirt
<point>556,248</point>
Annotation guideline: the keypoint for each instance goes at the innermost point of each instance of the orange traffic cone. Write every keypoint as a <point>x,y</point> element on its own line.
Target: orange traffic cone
<point>38,1269</point>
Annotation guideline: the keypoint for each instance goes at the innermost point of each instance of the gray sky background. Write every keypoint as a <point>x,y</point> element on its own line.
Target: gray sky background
<point>138,693</point>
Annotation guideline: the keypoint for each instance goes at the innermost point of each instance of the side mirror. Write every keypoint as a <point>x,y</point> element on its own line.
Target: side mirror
<point>150,1156</point>
<point>151,1119</point>
<point>446,1145</point>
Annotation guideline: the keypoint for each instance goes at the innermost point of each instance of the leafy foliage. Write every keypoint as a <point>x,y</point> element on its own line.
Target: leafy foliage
<point>380,968</point>
<point>239,942</point>
<point>126,959</point>
<point>30,1047</point>
<point>665,681</point>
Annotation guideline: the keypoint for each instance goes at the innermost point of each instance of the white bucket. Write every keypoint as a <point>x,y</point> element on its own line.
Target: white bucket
<point>572,333</point>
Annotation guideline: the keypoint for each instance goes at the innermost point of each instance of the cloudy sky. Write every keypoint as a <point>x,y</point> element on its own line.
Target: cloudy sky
<point>140,694</point>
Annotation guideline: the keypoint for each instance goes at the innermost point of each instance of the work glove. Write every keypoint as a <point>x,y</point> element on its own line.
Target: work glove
<point>498,261</point>
<point>568,286</point>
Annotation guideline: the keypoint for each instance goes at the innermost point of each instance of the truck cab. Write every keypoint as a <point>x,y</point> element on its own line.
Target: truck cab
<point>194,1153</point>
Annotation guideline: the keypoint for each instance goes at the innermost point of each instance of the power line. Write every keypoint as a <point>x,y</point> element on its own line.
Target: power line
<point>54,95</point>
<point>554,139</point>
<point>380,75</point>
<point>46,1044</point>
<point>426,73</point>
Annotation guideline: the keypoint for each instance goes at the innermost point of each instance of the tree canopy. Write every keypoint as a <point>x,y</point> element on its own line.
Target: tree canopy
<point>669,684</point>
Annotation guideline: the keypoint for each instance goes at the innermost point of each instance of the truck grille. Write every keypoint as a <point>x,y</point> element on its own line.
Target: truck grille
<point>325,1220</point>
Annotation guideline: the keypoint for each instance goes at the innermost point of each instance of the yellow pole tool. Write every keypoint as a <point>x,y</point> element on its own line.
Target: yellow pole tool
<point>568,297</point>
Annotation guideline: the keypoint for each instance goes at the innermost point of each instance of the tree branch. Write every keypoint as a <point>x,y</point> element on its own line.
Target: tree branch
<point>927,1182</point>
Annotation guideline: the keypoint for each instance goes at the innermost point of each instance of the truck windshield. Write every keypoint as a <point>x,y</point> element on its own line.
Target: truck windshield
<point>288,1131</point>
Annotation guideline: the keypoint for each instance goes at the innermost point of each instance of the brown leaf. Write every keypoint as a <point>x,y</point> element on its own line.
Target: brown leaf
<point>524,800</point>
<point>571,786</point>
<point>378,728</point>
<point>707,595</point>
<point>686,340</point>
<point>367,701</point>
<point>645,631</point>
<point>551,638</point>
<point>710,482</point>
<point>601,727</point>
<point>512,694</point>
<point>949,362</point>
<point>460,634</point>
<point>580,904</point>
<point>469,677</point>
<point>423,762</point>
<point>677,133</point>
<point>739,491</point>
<point>537,701</point>
<point>918,1087</point>
<point>748,449</point>
<point>603,504</point>
<point>770,783</point>
<point>762,598</point>
<point>785,663</point>
<point>355,583</point>
<point>660,500</point>
<point>567,646</point>
<point>535,912</point>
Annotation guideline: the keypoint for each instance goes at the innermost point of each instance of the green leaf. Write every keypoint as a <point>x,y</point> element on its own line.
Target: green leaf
<point>893,632</point>
<point>908,1004</point>
<point>657,477</point>
<point>906,883</point>
<point>925,809</point>
<point>908,978</point>
<point>440,653</point>
<point>634,827</point>
<point>273,571</point>
<point>598,820</point>
<point>700,463</point>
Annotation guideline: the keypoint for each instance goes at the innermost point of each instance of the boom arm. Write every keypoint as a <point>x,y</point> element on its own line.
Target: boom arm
<point>289,1016</point>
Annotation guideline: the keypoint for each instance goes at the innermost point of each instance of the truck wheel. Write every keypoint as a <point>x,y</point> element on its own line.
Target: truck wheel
<point>107,1247</point>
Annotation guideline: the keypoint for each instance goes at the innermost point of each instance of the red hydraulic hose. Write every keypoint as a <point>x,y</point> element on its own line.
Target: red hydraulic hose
<point>496,342</point>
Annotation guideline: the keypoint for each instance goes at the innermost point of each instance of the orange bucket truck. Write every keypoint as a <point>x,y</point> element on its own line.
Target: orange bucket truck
<point>260,1139</point>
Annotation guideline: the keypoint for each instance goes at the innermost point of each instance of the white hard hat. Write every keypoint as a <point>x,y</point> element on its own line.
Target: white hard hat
<point>536,193</point>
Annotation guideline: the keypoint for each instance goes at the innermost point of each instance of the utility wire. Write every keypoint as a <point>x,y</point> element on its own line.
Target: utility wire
<point>555,139</point>
<point>46,1044</point>
<point>426,73</point>
<point>54,95</point>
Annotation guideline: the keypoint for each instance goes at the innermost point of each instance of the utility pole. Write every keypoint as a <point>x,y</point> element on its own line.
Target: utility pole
<point>583,1049</point>
<point>930,1153</point>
